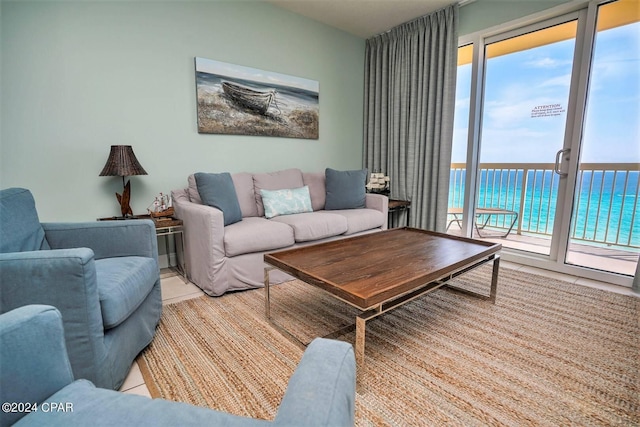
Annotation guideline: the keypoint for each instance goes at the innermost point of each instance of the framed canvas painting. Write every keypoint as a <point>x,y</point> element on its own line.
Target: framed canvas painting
<point>237,100</point>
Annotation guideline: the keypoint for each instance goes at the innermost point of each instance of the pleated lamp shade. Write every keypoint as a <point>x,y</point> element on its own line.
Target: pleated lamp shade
<point>122,162</point>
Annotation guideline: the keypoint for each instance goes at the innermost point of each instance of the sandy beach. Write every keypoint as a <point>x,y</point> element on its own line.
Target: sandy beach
<point>218,114</point>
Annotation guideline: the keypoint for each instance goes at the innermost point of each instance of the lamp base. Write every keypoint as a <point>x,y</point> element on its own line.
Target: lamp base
<point>123,199</point>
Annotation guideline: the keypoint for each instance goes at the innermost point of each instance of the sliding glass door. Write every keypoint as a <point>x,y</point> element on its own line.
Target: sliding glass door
<point>605,223</point>
<point>552,142</point>
<point>524,118</point>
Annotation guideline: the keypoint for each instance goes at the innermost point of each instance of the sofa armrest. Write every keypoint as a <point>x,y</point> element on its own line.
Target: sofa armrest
<point>204,235</point>
<point>106,238</point>
<point>65,279</point>
<point>33,358</point>
<point>321,392</point>
<point>380,203</point>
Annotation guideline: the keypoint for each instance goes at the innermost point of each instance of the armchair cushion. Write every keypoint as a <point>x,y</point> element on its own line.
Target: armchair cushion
<point>123,284</point>
<point>21,231</point>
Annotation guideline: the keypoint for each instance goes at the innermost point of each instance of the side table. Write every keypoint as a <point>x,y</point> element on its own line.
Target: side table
<point>165,227</point>
<point>396,206</point>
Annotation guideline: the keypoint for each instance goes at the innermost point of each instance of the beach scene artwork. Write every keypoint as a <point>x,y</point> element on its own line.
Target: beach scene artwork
<point>237,100</point>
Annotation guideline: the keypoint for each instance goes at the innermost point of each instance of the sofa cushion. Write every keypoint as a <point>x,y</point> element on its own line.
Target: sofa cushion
<point>314,225</point>
<point>243,183</point>
<point>345,189</point>
<point>289,178</point>
<point>217,190</point>
<point>123,283</point>
<point>361,219</point>
<point>255,234</point>
<point>192,189</point>
<point>20,228</point>
<point>286,202</point>
<point>317,189</point>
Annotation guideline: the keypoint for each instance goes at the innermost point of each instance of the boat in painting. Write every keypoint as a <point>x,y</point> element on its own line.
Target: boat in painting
<point>256,100</point>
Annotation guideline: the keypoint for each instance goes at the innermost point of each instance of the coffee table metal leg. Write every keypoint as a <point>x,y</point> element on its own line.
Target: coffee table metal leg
<point>494,278</point>
<point>361,326</point>
<point>267,300</point>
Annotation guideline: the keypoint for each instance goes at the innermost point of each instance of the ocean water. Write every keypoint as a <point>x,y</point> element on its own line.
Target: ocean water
<point>606,208</point>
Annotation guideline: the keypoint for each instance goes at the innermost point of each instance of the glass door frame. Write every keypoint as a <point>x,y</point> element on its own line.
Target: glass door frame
<point>586,14</point>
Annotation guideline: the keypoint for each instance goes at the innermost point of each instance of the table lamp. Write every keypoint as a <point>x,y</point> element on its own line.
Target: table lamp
<point>122,162</point>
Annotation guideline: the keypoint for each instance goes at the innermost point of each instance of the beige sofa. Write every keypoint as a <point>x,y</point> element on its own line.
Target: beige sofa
<point>228,258</point>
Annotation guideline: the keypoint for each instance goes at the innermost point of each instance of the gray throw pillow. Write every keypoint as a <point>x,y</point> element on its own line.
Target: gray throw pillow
<point>345,189</point>
<point>217,190</point>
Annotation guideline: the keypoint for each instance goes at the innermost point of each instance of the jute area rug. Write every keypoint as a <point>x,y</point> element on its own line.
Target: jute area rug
<point>547,353</point>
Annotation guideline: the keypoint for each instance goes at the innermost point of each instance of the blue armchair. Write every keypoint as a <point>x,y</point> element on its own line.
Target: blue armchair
<point>38,384</point>
<point>102,276</point>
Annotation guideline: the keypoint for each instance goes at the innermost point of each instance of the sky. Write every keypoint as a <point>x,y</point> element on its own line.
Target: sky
<point>526,96</point>
<point>253,74</point>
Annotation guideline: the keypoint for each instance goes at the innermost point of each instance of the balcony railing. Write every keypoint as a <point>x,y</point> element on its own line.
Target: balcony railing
<point>606,204</point>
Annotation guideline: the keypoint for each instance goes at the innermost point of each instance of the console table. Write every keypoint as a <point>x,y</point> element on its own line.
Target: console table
<point>396,206</point>
<point>164,227</point>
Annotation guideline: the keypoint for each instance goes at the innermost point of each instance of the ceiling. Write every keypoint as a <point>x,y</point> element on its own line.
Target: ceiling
<point>362,18</point>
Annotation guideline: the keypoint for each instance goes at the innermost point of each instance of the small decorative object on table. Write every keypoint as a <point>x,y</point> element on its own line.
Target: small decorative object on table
<point>161,207</point>
<point>378,183</point>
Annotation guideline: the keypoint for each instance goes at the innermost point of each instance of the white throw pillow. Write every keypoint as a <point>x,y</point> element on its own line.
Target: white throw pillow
<point>286,202</point>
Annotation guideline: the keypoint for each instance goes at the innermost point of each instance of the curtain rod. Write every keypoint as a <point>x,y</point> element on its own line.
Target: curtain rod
<point>460,4</point>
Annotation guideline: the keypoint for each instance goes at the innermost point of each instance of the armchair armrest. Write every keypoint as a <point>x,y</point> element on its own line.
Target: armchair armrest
<point>321,392</point>
<point>33,357</point>
<point>65,279</point>
<point>106,238</point>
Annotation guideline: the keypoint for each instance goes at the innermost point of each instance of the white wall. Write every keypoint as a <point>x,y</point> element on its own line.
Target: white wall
<point>78,77</point>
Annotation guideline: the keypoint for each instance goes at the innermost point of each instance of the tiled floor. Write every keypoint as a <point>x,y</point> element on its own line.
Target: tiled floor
<point>617,259</point>
<point>174,289</point>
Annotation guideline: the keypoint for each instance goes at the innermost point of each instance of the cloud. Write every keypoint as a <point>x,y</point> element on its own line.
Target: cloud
<point>511,113</point>
<point>463,102</point>
<point>562,81</point>
<point>520,145</point>
<point>547,62</point>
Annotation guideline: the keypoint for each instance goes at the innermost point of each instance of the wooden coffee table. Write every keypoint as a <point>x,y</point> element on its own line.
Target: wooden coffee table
<point>381,271</point>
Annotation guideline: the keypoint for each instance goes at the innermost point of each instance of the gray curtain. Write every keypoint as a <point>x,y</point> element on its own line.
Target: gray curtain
<point>410,78</point>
